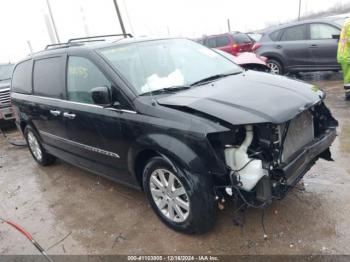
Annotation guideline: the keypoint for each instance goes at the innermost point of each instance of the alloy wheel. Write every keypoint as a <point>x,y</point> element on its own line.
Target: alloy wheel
<point>274,69</point>
<point>34,146</point>
<point>169,195</point>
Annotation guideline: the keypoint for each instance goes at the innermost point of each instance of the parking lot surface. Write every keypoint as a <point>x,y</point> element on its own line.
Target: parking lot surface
<point>71,211</point>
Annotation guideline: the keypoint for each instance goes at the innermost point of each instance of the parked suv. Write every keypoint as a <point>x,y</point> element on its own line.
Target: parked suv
<point>232,43</point>
<point>6,112</point>
<point>173,118</point>
<point>303,46</point>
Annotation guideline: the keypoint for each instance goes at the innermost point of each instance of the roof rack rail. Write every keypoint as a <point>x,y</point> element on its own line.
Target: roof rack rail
<point>60,45</point>
<point>81,39</point>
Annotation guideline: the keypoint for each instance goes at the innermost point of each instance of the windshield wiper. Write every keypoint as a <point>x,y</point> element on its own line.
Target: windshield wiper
<point>171,90</point>
<point>212,78</point>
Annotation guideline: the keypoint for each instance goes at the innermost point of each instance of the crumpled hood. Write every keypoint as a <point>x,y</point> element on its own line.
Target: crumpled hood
<point>249,97</point>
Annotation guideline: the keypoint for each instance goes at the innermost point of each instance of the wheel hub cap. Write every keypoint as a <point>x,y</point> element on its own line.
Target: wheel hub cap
<point>169,195</point>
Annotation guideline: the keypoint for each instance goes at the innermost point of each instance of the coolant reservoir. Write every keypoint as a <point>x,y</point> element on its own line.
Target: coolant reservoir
<point>249,171</point>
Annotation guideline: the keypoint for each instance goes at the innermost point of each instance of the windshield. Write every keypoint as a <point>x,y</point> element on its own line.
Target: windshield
<point>340,21</point>
<point>6,71</point>
<point>255,36</point>
<point>155,65</point>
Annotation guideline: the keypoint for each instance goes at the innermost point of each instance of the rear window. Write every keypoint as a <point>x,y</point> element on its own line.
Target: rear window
<point>241,38</point>
<point>21,80</point>
<point>48,77</point>
<point>218,41</point>
<point>222,41</point>
<point>294,33</point>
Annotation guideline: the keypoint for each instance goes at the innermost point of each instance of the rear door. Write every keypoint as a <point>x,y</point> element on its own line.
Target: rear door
<point>293,46</point>
<point>322,45</point>
<point>46,105</point>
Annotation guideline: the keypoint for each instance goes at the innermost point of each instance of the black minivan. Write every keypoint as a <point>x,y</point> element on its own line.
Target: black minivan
<point>173,118</point>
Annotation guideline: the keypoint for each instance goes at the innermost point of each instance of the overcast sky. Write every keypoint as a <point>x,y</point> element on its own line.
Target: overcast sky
<point>24,20</point>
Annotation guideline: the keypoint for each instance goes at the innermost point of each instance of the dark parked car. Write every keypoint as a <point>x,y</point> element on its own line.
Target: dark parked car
<point>303,46</point>
<point>173,118</point>
<point>6,112</point>
<point>232,43</point>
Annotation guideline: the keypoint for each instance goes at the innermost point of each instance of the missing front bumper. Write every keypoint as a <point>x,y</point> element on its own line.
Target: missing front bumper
<point>293,171</point>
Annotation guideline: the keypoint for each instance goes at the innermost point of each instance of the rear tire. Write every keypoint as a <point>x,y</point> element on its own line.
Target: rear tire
<point>275,67</point>
<point>36,149</point>
<point>191,211</point>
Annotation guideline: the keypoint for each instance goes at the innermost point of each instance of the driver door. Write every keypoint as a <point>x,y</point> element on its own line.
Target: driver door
<point>95,131</point>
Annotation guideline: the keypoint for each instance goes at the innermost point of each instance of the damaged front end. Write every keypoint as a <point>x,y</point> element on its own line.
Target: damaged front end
<point>264,161</point>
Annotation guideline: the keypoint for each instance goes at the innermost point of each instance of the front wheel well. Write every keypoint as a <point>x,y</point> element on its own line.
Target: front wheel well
<point>141,161</point>
<point>272,57</point>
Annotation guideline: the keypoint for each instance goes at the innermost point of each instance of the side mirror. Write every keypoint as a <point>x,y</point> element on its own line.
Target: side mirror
<point>336,37</point>
<point>101,95</point>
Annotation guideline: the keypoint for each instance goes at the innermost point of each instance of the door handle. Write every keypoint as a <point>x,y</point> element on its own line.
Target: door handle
<point>313,46</point>
<point>278,46</point>
<point>55,112</point>
<point>68,115</point>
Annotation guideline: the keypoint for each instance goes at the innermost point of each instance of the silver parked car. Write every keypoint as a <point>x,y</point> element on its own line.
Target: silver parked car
<point>302,46</point>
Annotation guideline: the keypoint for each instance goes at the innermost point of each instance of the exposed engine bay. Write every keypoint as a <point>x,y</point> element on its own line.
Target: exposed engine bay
<point>266,160</point>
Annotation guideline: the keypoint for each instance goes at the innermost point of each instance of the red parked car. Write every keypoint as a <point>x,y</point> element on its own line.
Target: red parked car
<point>232,43</point>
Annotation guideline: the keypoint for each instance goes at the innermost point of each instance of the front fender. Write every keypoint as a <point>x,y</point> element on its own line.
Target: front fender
<point>191,154</point>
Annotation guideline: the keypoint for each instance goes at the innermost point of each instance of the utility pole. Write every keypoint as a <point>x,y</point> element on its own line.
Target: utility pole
<point>299,10</point>
<point>53,21</point>
<point>228,25</point>
<point>119,17</point>
<point>30,47</point>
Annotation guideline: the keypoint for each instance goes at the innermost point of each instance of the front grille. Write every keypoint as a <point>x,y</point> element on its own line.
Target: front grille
<point>5,100</point>
<point>300,132</point>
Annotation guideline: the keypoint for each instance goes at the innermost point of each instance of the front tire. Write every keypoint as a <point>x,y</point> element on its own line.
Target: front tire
<point>183,202</point>
<point>36,149</point>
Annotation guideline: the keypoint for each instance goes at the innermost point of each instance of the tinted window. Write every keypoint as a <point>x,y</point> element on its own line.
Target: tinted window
<point>82,76</point>
<point>275,36</point>
<point>222,41</point>
<point>323,31</point>
<point>21,81</point>
<point>241,38</point>
<point>294,33</point>
<point>48,77</point>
